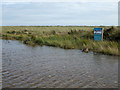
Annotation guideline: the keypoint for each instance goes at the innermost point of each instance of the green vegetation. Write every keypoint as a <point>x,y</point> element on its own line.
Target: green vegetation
<point>67,37</point>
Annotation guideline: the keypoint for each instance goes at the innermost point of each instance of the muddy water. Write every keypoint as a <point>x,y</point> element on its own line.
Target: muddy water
<point>37,67</point>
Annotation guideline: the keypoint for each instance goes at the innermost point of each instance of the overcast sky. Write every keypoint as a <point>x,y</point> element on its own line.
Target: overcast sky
<point>60,13</point>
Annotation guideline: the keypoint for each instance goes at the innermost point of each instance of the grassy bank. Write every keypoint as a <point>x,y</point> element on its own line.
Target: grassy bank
<point>67,37</point>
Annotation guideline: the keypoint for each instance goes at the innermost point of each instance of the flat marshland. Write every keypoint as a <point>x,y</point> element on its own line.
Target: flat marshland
<point>67,37</point>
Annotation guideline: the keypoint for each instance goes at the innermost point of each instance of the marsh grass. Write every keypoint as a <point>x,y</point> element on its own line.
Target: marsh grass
<point>66,37</point>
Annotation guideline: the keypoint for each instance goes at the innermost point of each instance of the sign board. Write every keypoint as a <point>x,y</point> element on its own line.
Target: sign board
<point>98,34</point>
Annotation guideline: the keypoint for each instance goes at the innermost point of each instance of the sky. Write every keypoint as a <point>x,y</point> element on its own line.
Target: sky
<point>59,13</point>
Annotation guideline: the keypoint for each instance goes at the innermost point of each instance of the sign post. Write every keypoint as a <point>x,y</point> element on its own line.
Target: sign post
<point>98,34</point>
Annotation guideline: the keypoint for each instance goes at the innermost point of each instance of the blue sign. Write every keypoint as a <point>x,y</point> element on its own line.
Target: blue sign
<point>98,34</point>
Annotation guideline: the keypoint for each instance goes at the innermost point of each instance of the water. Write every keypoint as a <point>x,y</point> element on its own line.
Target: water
<point>38,67</point>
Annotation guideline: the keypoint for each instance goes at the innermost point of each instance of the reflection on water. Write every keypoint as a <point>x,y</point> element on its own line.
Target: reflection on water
<point>32,67</point>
